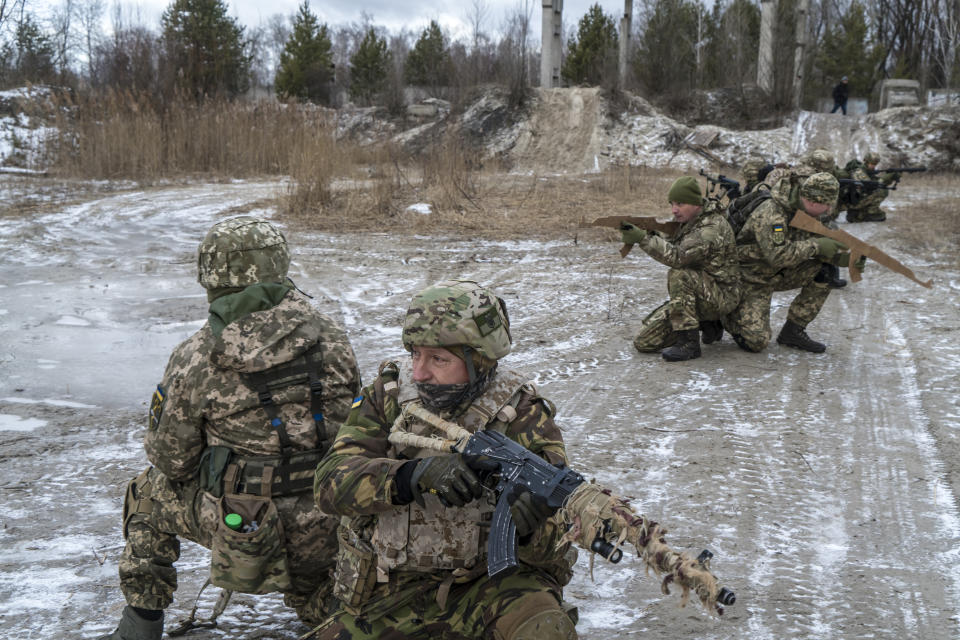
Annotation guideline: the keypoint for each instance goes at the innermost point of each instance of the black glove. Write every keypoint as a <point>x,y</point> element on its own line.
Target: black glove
<point>528,513</point>
<point>448,477</point>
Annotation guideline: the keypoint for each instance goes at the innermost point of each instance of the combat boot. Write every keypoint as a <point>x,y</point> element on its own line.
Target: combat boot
<point>830,275</point>
<point>875,216</point>
<point>135,627</point>
<point>793,335</point>
<point>712,331</point>
<point>686,348</point>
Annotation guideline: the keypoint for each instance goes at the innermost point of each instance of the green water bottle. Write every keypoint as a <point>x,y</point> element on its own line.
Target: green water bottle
<point>234,521</point>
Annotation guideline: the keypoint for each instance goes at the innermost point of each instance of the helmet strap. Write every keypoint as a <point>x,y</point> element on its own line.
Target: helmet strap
<point>294,285</point>
<point>468,360</point>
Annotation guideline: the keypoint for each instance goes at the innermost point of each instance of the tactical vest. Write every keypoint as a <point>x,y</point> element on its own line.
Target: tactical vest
<point>430,538</point>
<point>292,471</point>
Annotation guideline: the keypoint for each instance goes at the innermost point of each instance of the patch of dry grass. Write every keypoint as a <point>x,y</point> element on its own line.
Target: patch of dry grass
<point>931,223</point>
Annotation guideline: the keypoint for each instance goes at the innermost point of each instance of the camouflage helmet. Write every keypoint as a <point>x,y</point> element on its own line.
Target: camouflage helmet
<point>458,312</point>
<point>821,187</point>
<point>821,160</point>
<point>871,158</point>
<point>751,170</point>
<point>240,252</point>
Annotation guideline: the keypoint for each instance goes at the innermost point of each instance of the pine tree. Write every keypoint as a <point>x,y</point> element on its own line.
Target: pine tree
<point>666,60</point>
<point>306,63</point>
<point>369,66</point>
<point>593,54</point>
<point>846,51</point>
<point>428,64</point>
<point>29,58</point>
<point>204,50</point>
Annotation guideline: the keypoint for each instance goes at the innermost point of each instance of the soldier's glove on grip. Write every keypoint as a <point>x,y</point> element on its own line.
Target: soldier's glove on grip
<point>861,263</point>
<point>528,513</point>
<point>827,248</point>
<point>448,477</point>
<point>631,234</point>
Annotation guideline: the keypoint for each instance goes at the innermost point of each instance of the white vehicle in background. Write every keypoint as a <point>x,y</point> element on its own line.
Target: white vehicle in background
<point>899,93</point>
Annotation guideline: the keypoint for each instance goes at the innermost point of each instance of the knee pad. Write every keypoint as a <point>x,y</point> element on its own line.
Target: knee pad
<point>552,624</point>
<point>137,499</point>
<point>535,616</point>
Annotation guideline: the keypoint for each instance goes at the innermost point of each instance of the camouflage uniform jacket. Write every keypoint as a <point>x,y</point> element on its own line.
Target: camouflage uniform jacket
<point>706,243</point>
<point>208,401</point>
<point>767,244</point>
<point>357,477</point>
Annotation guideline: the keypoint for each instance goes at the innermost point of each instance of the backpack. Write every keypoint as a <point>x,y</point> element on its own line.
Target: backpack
<point>740,209</point>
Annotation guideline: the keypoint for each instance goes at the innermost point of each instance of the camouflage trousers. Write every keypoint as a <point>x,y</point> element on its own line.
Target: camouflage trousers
<point>694,296</point>
<point>868,208</point>
<point>172,510</point>
<point>751,319</point>
<point>486,608</point>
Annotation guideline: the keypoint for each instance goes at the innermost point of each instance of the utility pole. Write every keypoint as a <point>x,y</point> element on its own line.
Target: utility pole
<point>551,40</point>
<point>625,26</point>
<point>768,18</point>
<point>801,38</point>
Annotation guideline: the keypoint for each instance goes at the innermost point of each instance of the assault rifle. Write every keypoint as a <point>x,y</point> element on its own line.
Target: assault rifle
<point>644,222</point>
<point>876,172</point>
<point>518,469</point>
<point>595,518</point>
<point>853,191</point>
<point>729,186</point>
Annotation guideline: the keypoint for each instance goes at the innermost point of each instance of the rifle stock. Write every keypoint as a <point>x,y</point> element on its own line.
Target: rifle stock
<point>857,248</point>
<point>644,222</point>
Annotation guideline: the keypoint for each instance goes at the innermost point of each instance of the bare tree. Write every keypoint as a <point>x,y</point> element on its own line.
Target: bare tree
<point>90,16</point>
<point>946,42</point>
<point>515,50</point>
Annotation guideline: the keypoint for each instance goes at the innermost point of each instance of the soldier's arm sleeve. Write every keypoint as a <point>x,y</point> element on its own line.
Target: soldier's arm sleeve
<point>535,429</point>
<point>689,252</point>
<point>341,377</point>
<point>356,476</point>
<point>772,235</point>
<point>175,439</point>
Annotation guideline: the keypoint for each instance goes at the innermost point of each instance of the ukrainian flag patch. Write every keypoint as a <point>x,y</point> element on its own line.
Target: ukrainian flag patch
<point>779,236</point>
<point>357,402</point>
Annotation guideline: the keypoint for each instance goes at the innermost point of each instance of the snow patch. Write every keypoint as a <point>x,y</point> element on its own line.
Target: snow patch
<point>10,422</point>
<point>422,208</point>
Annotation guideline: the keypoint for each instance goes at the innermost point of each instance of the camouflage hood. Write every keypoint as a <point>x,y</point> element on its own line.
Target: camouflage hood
<point>264,339</point>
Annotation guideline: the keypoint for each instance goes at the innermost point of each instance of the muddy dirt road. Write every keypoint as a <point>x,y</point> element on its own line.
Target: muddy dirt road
<point>826,485</point>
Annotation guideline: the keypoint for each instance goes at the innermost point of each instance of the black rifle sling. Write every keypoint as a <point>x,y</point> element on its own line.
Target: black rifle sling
<point>280,376</point>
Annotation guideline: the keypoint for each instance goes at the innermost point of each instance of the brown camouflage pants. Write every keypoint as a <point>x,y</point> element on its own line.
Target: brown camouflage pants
<point>148,578</point>
<point>751,319</point>
<point>694,296</point>
<point>487,608</point>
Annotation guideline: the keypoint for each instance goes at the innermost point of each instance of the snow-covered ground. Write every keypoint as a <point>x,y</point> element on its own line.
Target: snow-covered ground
<point>821,482</point>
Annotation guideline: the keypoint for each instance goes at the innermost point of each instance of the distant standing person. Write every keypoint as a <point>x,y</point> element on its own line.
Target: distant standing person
<point>840,94</point>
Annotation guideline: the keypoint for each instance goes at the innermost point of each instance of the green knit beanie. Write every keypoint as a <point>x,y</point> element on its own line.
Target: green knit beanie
<point>685,190</point>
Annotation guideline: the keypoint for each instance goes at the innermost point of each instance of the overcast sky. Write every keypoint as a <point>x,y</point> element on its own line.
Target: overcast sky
<point>393,14</point>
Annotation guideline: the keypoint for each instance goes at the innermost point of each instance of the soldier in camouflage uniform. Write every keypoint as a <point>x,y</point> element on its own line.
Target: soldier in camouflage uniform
<point>412,559</point>
<point>751,174</point>
<point>867,208</point>
<point>703,280</point>
<point>259,391</point>
<point>777,257</point>
<point>815,161</point>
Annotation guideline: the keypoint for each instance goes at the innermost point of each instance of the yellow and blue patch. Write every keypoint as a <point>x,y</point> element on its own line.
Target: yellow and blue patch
<point>357,402</point>
<point>157,401</point>
<point>779,235</point>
